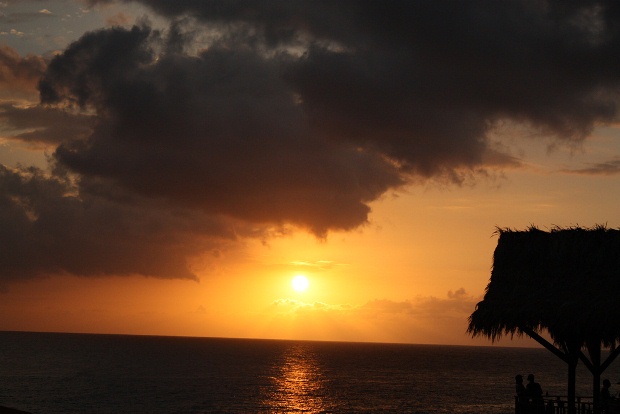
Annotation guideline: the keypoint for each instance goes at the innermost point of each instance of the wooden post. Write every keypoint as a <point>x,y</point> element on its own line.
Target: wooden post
<point>573,358</point>
<point>594,349</point>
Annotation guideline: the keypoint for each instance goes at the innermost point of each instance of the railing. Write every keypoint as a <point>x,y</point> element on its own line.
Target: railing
<point>559,405</point>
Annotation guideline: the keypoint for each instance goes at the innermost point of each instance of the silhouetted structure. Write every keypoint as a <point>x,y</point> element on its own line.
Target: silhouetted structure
<point>521,400</point>
<point>565,282</point>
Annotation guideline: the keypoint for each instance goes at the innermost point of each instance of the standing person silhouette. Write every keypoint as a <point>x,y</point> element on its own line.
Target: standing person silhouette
<point>535,393</point>
<point>605,396</point>
<point>519,387</point>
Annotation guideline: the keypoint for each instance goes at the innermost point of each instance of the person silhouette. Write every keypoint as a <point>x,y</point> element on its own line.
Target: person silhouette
<point>519,387</point>
<point>534,392</point>
<point>521,397</point>
<point>605,396</point>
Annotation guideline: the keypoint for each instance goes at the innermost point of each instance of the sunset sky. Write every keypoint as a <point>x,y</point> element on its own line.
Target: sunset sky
<point>168,167</point>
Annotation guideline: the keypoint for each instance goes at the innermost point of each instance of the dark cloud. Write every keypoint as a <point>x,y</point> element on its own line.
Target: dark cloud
<point>611,167</point>
<point>304,112</point>
<point>427,78</point>
<point>21,119</point>
<point>220,131</point>
<point>48,228</point>
<point>288,112</point>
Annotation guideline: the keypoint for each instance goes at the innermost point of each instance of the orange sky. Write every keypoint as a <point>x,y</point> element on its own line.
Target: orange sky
<point>402,278</point>
<point>412,272</point>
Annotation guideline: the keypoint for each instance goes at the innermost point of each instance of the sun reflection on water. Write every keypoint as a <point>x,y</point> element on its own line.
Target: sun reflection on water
<point>300,383</point>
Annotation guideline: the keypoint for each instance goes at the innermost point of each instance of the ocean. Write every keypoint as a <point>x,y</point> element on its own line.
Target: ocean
<point>48,373</point>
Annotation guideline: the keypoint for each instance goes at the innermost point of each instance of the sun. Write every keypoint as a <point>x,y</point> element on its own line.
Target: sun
<point>300,283</point>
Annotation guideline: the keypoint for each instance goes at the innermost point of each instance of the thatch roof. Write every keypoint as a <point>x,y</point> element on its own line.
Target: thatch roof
<point>565,281</point>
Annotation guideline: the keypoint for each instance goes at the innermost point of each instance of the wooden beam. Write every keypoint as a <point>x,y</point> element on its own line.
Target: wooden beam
<point>610,359</point>
<point>563,356</point>
<point>586,362</point>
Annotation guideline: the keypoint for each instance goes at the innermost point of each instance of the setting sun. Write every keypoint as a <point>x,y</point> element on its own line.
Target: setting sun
<point>300,283</point>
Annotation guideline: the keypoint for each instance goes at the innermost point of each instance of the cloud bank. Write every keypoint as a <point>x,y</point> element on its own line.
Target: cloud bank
<point>421,320</point>
<point>249,115</point>
<point>49,229</point>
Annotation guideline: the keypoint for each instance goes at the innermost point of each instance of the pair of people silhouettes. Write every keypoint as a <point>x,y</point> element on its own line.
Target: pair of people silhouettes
<point>530,396</point>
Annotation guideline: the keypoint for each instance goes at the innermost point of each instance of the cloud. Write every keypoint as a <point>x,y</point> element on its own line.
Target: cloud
<point>421,320</point>
<point>39,126</point>
<point>119,19</point>
<point>50,228</point>
<point>19,75</point>
<point>220,131</point>
<point>424,78</point>
<point>279,113</point>
<point>611,167</point>
<point>457,304</point>
<point>23,17</point>
<point>315,266</point>
<point>459,294</point>
<point>296,307</point>
<point>423,83</point>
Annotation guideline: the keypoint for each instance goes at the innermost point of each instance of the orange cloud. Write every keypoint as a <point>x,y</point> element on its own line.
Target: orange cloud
<point>19,75</point>
<point>420,320</point>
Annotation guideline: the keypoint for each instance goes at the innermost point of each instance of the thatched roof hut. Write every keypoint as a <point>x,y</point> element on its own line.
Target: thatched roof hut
<point>565,282</point>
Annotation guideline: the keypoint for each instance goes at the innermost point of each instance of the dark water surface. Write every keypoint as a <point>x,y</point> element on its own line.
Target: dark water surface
<point>48,373</point>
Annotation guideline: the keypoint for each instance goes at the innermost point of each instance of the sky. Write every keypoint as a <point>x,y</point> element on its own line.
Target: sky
<point>167,168</point>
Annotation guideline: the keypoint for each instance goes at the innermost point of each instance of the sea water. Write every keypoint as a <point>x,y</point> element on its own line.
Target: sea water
<point>46,373</point>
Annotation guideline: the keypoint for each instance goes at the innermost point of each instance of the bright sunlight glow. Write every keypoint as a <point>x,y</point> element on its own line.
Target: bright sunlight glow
<point>300,283</point>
